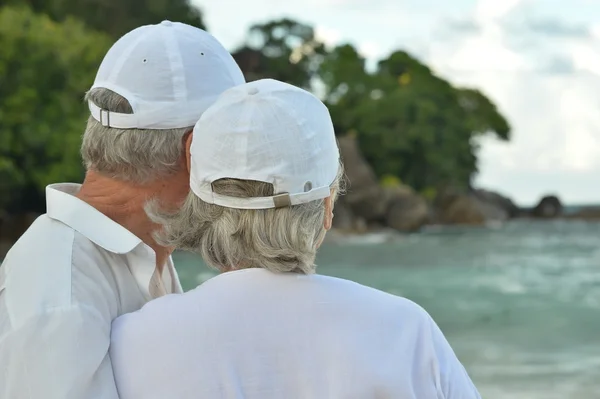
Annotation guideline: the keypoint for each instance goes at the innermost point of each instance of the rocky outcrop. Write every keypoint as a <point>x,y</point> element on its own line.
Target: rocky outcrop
<point>495,202</point>
<point>364,195</point>
<point>548,207</point>
<point>345,220</point>
<point>367,204</point>
<point>406,211</point>
<point>473,208</point>
<point>458,208</point>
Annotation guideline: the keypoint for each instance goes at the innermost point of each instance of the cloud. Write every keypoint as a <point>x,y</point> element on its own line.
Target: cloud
<point>457,27</point>
<point>489,11</point>
<point>595,31</point>
<point>370,49</point>
<point>586,57</point>
<point>557,28</point>
<point>544,74</point>
<point>557,65</point>
<point>330,37</point>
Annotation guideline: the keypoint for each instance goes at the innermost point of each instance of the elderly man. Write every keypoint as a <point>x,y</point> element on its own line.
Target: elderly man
<point>92,257</point>
<point>264,175</point>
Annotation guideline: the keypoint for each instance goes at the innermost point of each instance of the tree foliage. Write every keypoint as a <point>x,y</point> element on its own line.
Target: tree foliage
<point>413,126</point>
<point>115,17</point>
<point>283,49</point>
<point>410,123</point>
<point>45,68</point>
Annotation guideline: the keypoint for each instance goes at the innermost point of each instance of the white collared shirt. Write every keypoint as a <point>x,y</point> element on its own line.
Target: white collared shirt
<point>61,285</point>
<point>254,334</point>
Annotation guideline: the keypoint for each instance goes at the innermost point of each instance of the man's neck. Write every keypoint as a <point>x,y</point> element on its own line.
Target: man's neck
<point>124,203</point>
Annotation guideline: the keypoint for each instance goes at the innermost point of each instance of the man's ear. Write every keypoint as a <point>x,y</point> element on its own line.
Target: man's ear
<point>187,139</point>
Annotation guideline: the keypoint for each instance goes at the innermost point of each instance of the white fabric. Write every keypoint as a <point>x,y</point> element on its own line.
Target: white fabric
<point>61,285</point>
<point>265,131</point>
<point>169,72</point>
<point>253,334</point>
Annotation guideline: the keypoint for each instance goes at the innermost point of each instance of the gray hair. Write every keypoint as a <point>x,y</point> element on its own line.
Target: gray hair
<point>279,240</point>
<point>135,155</point>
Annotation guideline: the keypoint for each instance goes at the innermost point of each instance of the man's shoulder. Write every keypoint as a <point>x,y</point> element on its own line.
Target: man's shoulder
<point>37,274</point>
<point>44,237</point>
<point>44,251</point>
<point>49,246</point>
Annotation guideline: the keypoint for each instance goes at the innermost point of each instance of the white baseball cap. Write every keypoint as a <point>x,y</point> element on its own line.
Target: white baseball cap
<point>170,73</point>
<point>266,131</point>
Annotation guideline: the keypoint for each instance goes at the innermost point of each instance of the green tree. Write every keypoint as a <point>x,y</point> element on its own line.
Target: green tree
<point>483,116</point>
<point>347,85</point>
<point>410,123</point>
<point>116,17</point>
<point>283,49</point>
<point>45,67</point>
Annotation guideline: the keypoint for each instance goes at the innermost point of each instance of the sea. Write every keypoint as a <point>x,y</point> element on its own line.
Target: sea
<point>518,302</point>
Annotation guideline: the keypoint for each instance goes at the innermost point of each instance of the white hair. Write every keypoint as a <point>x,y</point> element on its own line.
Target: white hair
<point>279,240</point>
<point>135,155</point>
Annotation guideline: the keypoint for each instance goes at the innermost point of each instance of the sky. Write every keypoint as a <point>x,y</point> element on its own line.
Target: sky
<point>538,60</point>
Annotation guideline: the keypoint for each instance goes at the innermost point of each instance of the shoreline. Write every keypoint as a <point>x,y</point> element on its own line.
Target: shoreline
<point>13,226</point>
<point>340,235</point>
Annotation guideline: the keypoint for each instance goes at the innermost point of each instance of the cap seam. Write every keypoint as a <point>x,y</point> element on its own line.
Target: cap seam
<point>175,62</point>
<point>119,66</point>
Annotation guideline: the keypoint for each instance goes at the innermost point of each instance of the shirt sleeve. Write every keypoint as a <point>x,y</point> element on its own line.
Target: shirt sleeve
<point>60,353</point>
<point>452,378</point>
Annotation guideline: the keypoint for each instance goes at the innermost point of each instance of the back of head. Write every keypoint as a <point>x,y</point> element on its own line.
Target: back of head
<point>151,88</point>
<point>264,160</point>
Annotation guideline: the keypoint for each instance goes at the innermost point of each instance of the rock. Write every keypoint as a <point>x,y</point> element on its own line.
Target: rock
<point>364,194</point>
<point>407,211</point>
<point>345,220</point>
<point>464,210</point>
<point>370,206</point>
<point>497,202</point>
<point>548,207</point>
<point>493,212</point>
<point>478,207</point>
<point>360,225</point>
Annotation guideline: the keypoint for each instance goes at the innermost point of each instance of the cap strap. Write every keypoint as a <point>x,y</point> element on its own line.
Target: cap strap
<point>282,200</point>
<point>113,119</point>
<point>106,118</point>
<point>205,193</point>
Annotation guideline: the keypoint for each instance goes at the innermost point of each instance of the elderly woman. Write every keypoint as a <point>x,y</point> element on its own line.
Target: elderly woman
<point>265,173</point>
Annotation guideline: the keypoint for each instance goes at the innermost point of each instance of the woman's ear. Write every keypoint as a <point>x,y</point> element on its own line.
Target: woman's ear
<point>328,219</point>
<point>188,144</point>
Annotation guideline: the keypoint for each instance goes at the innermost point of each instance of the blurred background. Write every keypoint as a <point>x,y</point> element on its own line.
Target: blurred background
<point>469,129</point>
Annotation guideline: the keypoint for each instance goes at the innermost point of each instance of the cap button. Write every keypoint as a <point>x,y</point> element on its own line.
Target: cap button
<point>166,23</point>
<point>252,91</point>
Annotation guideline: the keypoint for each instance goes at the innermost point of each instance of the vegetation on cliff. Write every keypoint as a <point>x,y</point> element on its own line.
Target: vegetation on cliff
<point>411,125</point>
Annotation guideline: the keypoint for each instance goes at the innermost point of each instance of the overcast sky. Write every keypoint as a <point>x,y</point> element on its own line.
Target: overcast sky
<point>539,60</point>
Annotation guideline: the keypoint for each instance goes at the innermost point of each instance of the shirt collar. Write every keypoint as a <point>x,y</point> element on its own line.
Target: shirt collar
<point>62,205</point>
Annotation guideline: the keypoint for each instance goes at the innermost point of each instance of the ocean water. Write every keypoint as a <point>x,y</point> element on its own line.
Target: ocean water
<point>519,303</point>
